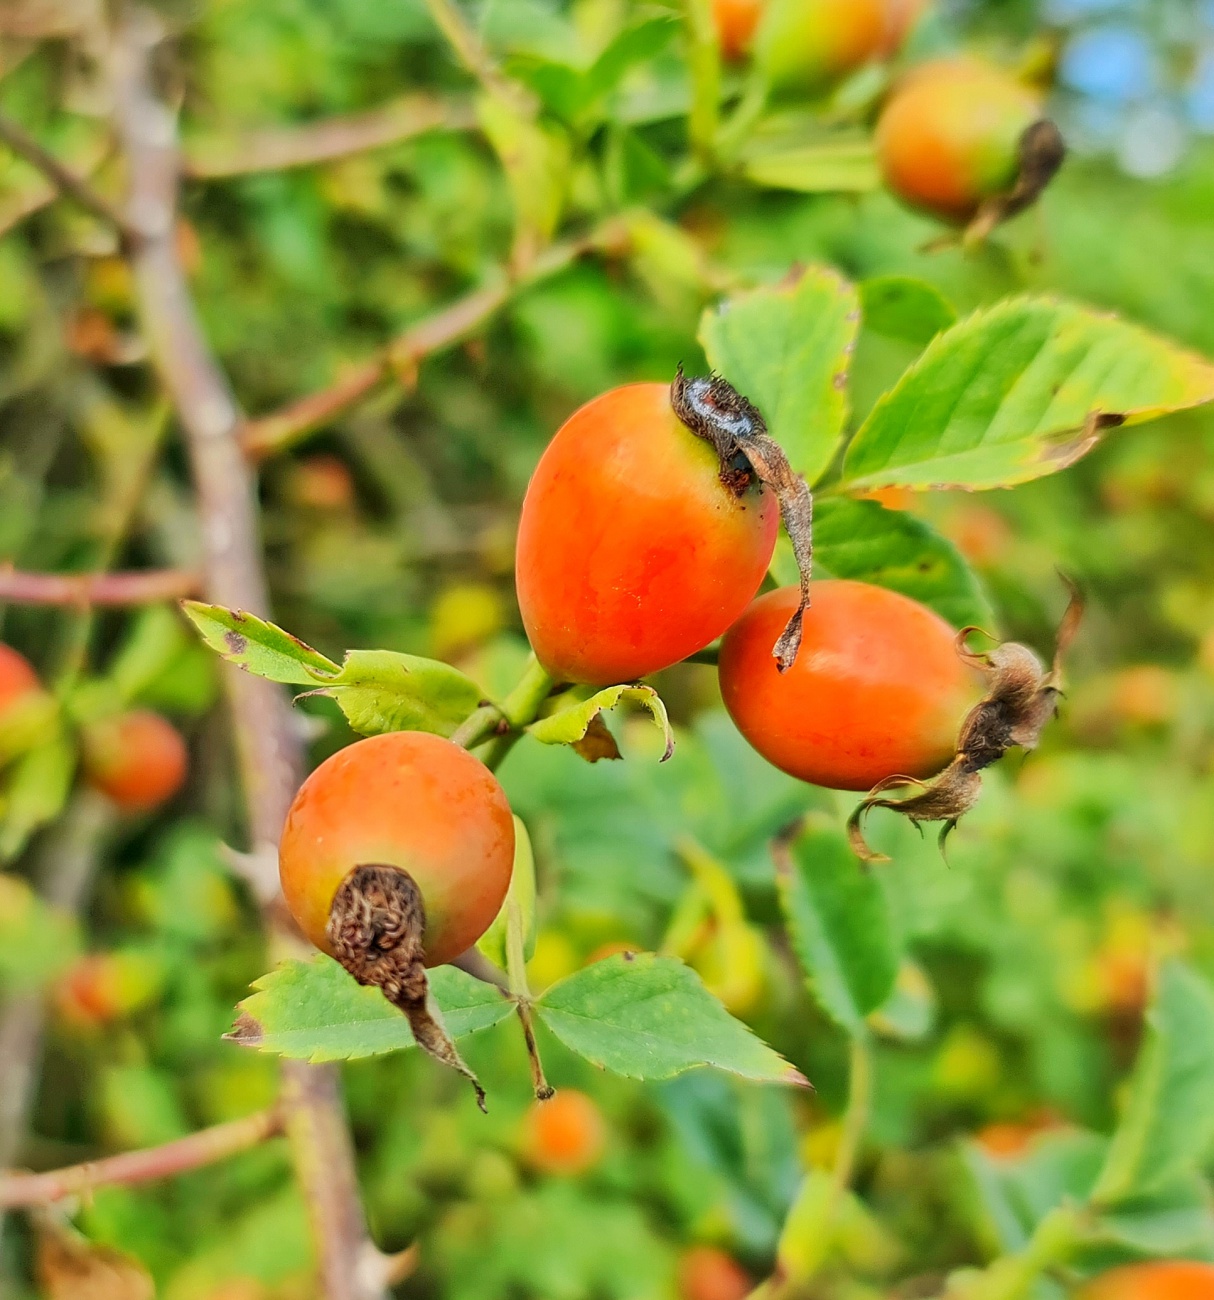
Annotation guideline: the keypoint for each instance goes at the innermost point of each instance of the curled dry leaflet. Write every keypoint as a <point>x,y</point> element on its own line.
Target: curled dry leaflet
<point>1022,696</point>
<point>715,411</point>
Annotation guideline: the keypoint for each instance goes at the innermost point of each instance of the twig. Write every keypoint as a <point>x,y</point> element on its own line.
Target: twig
<point>272,433</point>
<point>471,52</point>
<point>63,178</point>
<point>203,1148</point>
<point>146,587</point>
<point>279,148</point>
<point>268,750</point>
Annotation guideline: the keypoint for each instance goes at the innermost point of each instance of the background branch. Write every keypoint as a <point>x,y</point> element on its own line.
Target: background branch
<point>63,178</point>
<point>279,148</point>
<point>268,749</point>
<point>269,434</point>
<point>145,587</point>
<point>203,1148</point>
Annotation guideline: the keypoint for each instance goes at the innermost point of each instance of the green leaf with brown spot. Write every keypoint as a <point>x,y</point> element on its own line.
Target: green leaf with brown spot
<point>650,1017</point>
<point>1020,390</point>
<point>259,647</point>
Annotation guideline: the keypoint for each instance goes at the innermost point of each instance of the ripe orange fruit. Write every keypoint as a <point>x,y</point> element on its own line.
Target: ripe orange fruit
<point>565,1134</point>
<point>632,552</point>
<point>1167,1280</point>
<point>949,136</point>
<point>409,800</point>
<point>138,759</point>
<point>878,689</point>
<point>708,1273</point>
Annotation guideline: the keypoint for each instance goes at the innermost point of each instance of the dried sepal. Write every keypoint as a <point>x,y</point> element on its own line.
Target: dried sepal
<point>1021,698</point>
<point>1041,151</point>
<point>715,411</point>
<point>375,927</point>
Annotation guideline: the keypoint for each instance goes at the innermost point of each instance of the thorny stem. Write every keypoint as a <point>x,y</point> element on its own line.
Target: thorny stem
<point>281,148</point>
<point>376,926</point>
<point>205,1147</point>
<point>471,52</point>
<point>145,587</point>
<point>65,181</point>
<point>268,748</point>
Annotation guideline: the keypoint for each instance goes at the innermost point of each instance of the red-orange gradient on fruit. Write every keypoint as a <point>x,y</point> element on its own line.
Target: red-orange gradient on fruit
<point>138,759</point>
<point>410,800</point>
<point>736,21</point>
<point>565,1134</point>
<point>949,136</point>
<point>632,554</point>
<point>1168,1280</point>
<point>877,689</point>
<point>708,1273</point>
<point>17,677</point>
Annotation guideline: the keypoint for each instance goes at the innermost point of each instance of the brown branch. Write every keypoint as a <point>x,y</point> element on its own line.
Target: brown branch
<point>65,181</point>
<point>144,587</point>
<point>279,148</point>
<point>268,747</point>
<point>203,1148</point>
<point>269,434</point>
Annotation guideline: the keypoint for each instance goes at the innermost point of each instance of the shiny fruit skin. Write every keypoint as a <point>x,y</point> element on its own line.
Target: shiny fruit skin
<point>808,44</point>
<point>405,799</point>
<point>565,1134</point>
<point>708,1273</point>
<point>877,690</point>
<point>949,136</point>
<point>17,677</point>
<point>1166,1280</point>
<point>138,759</point>
<point>736,21</point>
<point>632,554</point>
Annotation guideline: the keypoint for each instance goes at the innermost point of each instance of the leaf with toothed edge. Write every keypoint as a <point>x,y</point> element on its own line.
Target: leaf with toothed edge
<point>259,647</point>
<point>650,1017</point>
<point>580,724</point>
<point>314,1011</point>
<point>383,690</point>
<point>1017,391</point>
<point>787,347</point>
<point>377,690</point>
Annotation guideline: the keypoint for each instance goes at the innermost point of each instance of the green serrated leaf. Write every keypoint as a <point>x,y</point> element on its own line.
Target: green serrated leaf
<point>901,307</point>
<point>571,725</point>
<point>35,791</point>
<point>314,1011</point>
<point>37,941</point>
<point>1167,1126</point>
<point>1019,390</point>
<point>843,166</point>
<point>839,922</point>
<point>787,348</point>
<point>257,646</point>
<point>382,690</point>
<point>521,895</point>
<point>864,541</point>
<point>649,1017</point>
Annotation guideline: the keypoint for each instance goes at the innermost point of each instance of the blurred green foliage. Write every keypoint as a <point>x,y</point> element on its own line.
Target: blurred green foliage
<point>1025,960</point>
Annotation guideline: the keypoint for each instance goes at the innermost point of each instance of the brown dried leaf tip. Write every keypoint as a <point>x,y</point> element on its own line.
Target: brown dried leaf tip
<point>1022,696</point>
<point>376,926</point>
<point>715,411</point>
